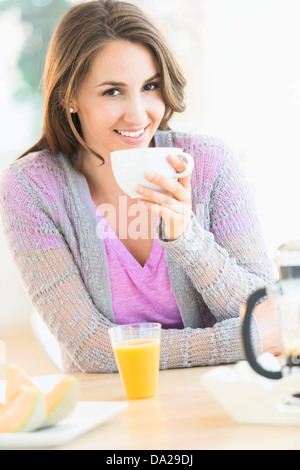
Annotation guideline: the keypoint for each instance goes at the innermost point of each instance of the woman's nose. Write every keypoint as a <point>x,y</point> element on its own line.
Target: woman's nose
<point>135,112</point>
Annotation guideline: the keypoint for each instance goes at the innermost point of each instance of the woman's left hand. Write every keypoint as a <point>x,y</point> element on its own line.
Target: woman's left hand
<point>268,321</point>
<point>175,206</point>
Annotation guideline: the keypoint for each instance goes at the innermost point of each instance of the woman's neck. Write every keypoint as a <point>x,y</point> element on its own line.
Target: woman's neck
<point>100,179</point>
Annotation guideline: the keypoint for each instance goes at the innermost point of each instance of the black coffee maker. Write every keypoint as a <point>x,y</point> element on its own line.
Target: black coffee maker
<point>287,290</point>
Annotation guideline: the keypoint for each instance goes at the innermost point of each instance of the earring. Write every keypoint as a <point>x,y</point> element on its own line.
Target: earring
<point>71,110</point>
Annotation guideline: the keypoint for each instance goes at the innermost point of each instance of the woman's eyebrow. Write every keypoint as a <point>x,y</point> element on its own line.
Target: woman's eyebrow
<point>112,83</point>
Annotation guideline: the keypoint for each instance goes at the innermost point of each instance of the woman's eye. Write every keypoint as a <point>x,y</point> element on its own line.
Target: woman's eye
<point>111,92</point>
<point>151,86</point>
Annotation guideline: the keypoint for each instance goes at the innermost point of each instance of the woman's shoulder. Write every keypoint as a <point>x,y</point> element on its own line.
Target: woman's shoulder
<point>212,156</point>
<point>199,145</point>
<point>39,159</point>
<point>35,166</point>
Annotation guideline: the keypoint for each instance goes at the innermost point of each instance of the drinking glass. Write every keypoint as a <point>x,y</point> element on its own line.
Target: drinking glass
<point>137,351</point>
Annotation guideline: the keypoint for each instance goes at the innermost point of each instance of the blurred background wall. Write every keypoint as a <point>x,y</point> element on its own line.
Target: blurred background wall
<point>242,62</point>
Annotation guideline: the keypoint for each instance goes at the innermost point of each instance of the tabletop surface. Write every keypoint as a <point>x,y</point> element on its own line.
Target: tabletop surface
<point>183,415</point>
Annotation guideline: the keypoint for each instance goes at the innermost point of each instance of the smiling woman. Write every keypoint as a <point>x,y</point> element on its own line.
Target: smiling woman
<point>119,114</point>
<point>69,62</point>
<point>111,83</point>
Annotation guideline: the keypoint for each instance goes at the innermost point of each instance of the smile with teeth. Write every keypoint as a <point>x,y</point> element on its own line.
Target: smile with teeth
<point>132,134</point>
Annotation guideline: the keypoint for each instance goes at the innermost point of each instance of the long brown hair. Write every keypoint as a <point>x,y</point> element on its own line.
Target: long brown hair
<point>79,36</point>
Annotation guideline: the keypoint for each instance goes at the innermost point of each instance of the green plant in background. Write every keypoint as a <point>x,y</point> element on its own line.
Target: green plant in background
<point>40,18</point>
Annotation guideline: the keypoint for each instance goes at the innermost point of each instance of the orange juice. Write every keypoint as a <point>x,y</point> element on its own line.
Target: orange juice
<point>138,363</point>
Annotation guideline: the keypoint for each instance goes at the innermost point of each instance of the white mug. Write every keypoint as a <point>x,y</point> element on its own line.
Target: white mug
<point>129,167</point>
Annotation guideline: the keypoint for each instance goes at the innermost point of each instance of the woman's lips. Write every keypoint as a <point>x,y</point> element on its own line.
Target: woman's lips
<point>132,136</point>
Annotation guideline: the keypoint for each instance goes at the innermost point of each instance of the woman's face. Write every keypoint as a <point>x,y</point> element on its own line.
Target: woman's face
<point>120,104</point>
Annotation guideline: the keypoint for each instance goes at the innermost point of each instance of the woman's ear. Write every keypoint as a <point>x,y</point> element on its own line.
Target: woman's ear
<point>73,108</point>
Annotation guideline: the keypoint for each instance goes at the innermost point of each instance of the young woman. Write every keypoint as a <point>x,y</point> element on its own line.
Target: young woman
<point>111,83</point>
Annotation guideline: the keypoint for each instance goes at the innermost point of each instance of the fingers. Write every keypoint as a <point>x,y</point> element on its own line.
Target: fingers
<point>174,223</point>
<point>174,189</point>
<point>179,164</point>
<point>168,212</point>
<point>173,204</point>
<point>158,209</point>
<point>160,199</point>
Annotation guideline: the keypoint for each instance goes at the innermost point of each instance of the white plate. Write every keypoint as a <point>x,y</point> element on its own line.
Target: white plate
<point>85,417</point>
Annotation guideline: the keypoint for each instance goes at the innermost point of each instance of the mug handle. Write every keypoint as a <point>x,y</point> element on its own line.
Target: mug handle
<point>190,167</point>
<point>251,358</point>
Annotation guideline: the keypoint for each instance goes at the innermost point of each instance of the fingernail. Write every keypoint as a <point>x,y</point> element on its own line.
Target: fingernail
<point>139,189</point>
<point>150,174</point>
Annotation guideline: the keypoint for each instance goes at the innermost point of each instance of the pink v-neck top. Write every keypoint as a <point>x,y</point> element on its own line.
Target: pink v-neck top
<point>139,293</point>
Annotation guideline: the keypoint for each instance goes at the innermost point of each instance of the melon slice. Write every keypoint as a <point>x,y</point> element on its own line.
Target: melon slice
<point>61,400</point>
<point>25,411</point>
<point>15,378</point>
<point>28,408</point>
